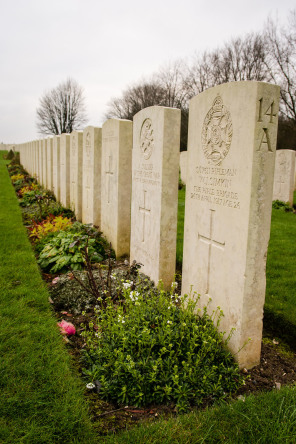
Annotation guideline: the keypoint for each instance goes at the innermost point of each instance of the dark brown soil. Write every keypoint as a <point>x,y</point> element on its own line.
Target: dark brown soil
<point>276,369</point>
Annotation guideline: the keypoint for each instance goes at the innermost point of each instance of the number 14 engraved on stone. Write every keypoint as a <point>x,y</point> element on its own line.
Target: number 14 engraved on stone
<point>270,113</point>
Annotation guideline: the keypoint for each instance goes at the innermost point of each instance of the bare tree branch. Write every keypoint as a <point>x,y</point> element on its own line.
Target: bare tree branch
<point>62,109</point>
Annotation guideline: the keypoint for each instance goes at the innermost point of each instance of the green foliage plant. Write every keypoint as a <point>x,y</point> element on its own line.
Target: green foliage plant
<point>152,348</point>
<point>279,205</point>
<point>65,250</point>
<point>51,224</point>
<point>17,177</point>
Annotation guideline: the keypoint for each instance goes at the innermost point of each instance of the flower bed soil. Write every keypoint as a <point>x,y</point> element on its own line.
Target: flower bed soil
<point>277,365</point>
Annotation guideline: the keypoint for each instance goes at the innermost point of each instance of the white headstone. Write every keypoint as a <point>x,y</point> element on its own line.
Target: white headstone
<point>117,141</point>
<point>231,155</point>
<point>40,162</point>
<point>44,163</point>
<point>56,166</point>
<point>76,147</point>
<point>155,171</point>
<point>91,176</point>
<point>284,176</point>
<point>49,163</point>
<point>65,170</point>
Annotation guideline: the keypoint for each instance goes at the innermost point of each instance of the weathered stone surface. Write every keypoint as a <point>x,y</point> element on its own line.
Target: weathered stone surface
<point>183,166</point>
<point>44,162</point>
<point>40,162</point>
<point>76,147</point>
<point>284,176</point>
<point>155,171</point>
<point>56,166</point>
<point>91,176</point>
<point>49,164</point>
<point>117,141</point>
<point>65,170</point>
<point>231,155</point>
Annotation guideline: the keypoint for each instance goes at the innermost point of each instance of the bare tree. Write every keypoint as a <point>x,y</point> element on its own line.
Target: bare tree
<point>281,62</point>
<point>144,94</point>
<point>239,59</point>
<point>62,109</point>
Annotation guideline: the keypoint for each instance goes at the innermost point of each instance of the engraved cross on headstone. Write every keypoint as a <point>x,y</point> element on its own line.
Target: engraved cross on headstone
<point>109,173</point>
<point>145,211</point>
<point>87,190</point>
<point>73,184</point>
<point>280,182</point>
<point>211,243</point>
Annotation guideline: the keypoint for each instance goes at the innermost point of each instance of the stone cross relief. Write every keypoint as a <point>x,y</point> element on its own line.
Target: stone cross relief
<point>109,174</point>
<point>73,184</point>
<point>146,212</point>
<point>211,243</point>
<point>87,188</point>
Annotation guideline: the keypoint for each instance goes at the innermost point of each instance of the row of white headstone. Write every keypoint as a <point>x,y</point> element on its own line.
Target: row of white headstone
<point>124,179</point>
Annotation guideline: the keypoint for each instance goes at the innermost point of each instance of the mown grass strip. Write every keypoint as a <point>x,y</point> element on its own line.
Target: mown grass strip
<point>41,398</point>
<point>267,418</point>
<point>280,303</point>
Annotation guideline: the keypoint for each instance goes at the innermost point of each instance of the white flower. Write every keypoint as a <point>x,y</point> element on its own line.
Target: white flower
<point>121,319</point>
<point>169,322</point>
<point>174,285</point>
<point>134,295</point>
<point>90,386</point>
<point>127,284</point>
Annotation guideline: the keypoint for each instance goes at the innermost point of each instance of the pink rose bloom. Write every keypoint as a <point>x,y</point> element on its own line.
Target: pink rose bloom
<point>67,328</point>
<point>55,280</point>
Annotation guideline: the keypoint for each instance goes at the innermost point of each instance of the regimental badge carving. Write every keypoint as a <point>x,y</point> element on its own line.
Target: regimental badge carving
<point>216,133</point>
<point>147,139</point>
<point>87,144</point>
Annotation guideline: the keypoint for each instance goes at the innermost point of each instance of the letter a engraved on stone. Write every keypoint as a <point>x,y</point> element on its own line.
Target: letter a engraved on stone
<point>265,139</point>
<point>145,211</point>
<point>109,173</point>
<point>270,114</point>
<point>210,242</point>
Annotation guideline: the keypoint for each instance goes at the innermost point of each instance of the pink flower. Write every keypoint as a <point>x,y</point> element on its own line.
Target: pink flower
<point>67,328</point>
<point>55,280</point>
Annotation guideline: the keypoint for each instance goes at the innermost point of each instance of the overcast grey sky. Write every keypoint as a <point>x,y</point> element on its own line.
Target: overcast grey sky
<point>106,46</point>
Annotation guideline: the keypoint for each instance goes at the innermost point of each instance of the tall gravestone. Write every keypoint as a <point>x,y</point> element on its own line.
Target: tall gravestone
<point>40,161</point>
<point>56,166</point>
<point>44,163</point>
<point>283,186</point>
<point>35,146</point>
<point>91,176</point>
<point>49,163</point>
<point>76,146</point>
<point>117,141</point>
<point>65,170</point>
<point>155,171</point>
<point>231,149</point>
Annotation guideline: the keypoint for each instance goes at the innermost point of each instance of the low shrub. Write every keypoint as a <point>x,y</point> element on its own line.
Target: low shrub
<point>51,224</point>
<point>17,177</point>
<point>66,249</point>
<point>279,205</point>
<point>153,348</point>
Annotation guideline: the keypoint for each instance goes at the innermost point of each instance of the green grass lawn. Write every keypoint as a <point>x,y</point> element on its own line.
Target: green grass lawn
<point>41,398</point>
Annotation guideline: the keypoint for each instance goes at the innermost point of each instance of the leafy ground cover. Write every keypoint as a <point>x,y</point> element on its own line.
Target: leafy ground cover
<point>41,395</point>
